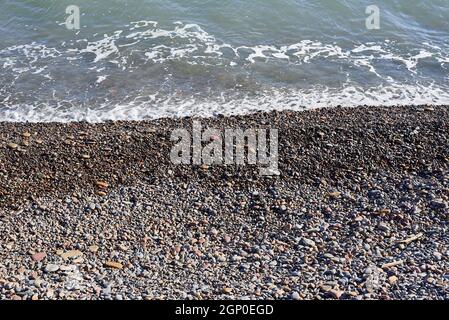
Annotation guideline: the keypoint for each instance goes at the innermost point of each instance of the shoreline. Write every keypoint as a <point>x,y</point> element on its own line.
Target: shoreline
<point>360,210</point>
<point>97,150</point>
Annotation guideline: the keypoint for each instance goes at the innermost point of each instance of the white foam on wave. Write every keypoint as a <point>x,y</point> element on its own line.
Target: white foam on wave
<point>161,105</point>
<point>102,48</point>
<point>200,46</point>
<point>192,44</point>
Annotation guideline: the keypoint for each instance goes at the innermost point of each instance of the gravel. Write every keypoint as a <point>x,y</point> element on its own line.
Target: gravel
<point>97,211</point>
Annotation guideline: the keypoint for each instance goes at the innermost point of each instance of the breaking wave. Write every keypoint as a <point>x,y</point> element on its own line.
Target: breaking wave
<point>144,71</point>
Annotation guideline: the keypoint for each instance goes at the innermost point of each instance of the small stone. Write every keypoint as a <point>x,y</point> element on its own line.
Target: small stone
<point>122,247</point>
<point>85,156</point>
<point>392,280</point>
<point>177,249</point>
<point>325,287</point>
<point>438,204</point>
<point>336,294</point>
<point>71,254</point>
<point>227,239</point>
<point>383,227</point>
<point>437,255</point>
<point>51,268</point>
<point>307,242</point>
<point>13,145</point>
<point>102,184</point>
<point>35,297</point>
<point>26,134</point>
<point>93,248</point>
<point>70,267</point>
<point>295,296</point>
<point>383,212</point>
<point>335,195</point>
<point>227,290</point>
<point>38,256</point>
<point>101,193</point>
<point>78,260</point>
<point>375,194</point>
<point>50,293</point>
<point>416,210</point>
<point>114,265</point>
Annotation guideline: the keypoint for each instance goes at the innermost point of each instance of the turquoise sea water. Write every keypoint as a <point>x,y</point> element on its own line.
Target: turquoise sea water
<point>137,59</point>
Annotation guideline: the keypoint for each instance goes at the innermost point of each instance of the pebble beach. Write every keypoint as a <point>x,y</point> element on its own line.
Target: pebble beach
<point>360,210</point>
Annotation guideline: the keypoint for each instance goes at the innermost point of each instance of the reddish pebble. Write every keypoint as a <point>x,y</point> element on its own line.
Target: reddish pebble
<point>38,256</point>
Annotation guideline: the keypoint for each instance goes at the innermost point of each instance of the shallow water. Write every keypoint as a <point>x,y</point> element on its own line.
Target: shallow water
<point>140,59</point>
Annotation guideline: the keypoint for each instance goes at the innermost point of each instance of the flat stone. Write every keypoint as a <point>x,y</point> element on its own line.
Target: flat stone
<point>114,265</point>
<point>102,184</point>
<point>71,254</point>
<point>93,248</point>
<point>227,290</point>
<point>51,268</point>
